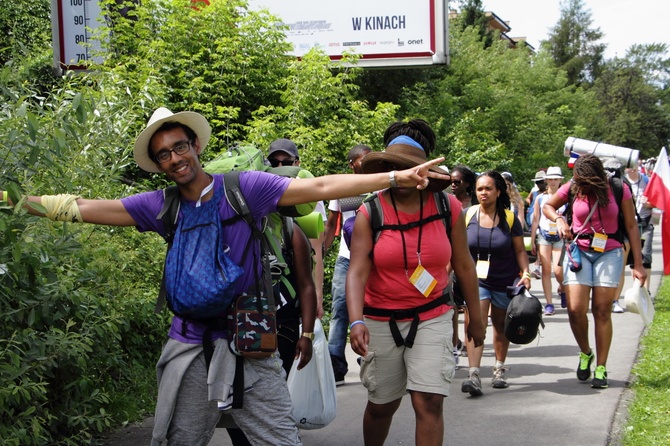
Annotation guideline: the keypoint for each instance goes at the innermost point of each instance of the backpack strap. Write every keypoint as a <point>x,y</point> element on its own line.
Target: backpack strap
<point>469,213</point>
<point>616,184</point>
<point>472,210</point>
<point>444,209</point>
<point>376,213</point>
<point>168,215</point>
<point>237,201</point>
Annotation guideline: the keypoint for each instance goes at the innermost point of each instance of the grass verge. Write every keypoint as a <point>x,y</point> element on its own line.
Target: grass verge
<point>649,413</point>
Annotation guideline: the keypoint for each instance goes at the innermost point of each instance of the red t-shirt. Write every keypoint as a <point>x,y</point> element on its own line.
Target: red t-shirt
<point>388,286</point>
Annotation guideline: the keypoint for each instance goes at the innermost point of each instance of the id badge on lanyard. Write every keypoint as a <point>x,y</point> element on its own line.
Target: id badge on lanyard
<point>599,242</point>
<point>423,280</point>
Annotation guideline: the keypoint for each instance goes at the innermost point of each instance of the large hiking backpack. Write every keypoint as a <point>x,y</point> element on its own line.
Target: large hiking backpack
<point>276,228</point>
<point>238,157</point>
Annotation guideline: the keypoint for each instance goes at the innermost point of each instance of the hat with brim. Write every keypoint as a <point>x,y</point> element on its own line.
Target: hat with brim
<point>194,121</point>
<point>400,157</point>
<point>539,176</point>
<point>554,173</point>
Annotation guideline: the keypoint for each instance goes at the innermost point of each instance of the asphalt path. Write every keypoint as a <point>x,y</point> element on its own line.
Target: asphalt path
<point>544,404</point>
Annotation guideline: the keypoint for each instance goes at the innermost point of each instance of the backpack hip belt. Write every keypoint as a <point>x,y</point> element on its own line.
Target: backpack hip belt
<point>408,313</point>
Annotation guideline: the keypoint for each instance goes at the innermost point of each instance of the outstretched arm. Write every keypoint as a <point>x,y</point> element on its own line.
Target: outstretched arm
<point>102,212</point>
<point>329,187</point>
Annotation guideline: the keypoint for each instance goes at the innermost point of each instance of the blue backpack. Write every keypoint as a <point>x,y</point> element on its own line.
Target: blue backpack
<point>199,277</point>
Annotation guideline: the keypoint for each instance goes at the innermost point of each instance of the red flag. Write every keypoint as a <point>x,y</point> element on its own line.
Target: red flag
<point>658,194</point>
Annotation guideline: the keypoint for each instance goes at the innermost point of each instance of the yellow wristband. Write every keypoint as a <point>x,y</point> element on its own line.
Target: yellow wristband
<point>527,275</point>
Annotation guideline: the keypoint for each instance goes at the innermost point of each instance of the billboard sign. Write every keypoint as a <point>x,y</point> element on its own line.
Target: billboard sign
<point>383,32</point>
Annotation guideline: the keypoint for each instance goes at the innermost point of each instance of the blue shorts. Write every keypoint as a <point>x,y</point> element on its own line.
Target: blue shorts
<point>555,245</point>
<point>601,269</point>
<point>499,299</point>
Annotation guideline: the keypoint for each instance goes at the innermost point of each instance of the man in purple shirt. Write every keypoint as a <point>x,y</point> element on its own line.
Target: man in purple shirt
<point>191,397</point>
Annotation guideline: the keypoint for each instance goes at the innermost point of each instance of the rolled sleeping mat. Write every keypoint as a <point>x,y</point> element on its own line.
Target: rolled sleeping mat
<point>311,224</point>
<point>628,157</point>
<point>351,203</point>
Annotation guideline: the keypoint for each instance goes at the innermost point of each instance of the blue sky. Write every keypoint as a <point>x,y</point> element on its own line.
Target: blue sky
<point>624,22</point>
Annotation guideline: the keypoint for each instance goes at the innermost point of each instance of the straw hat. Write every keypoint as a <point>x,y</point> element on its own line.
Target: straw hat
<point>553,173</point>
<point>194,121</point>
<point>399,157</point>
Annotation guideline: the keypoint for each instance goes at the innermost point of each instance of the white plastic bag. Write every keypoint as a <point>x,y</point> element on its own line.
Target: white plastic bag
<point>312,389</point>
<point>638,301</point>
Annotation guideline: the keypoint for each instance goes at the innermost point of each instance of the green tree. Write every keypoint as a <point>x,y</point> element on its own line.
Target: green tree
<point>25,29</point>
<point>472,14</point>
<point>322,113</point>
<point>574,44</point>
<point>500,108</point>
<point>633,98</point>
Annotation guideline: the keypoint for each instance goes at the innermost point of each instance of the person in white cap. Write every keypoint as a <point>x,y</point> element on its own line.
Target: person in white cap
<point>548,244</point>
<point>186,412</point>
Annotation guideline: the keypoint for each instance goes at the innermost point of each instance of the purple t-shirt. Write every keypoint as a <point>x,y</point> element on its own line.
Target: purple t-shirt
<point>261,190</point>
<point>604,219</point>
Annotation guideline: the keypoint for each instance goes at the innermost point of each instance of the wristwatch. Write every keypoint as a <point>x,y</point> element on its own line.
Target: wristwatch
<point>309,336</point>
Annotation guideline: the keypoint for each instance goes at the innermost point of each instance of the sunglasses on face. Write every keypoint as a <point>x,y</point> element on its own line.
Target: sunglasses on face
<point>274,162</point>
<point>456,182</point>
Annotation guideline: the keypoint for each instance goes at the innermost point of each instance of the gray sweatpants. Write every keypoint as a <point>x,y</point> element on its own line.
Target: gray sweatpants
<point>266,417</point>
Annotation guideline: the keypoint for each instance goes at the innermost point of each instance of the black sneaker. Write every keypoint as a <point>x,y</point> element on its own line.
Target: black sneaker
<point>339,379</point>
<point>600,378</point>
<point>584,368</point>
<point>472,385</point>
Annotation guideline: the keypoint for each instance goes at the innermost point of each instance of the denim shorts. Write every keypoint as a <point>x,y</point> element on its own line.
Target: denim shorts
<point>555,246</point>
<point>601,269</point>
<point>499,299</point>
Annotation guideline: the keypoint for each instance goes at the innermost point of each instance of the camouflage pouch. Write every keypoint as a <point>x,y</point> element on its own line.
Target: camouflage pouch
<point>255,327</point>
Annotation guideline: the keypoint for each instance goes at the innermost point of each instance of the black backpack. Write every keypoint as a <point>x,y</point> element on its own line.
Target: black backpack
<point>524,316</point>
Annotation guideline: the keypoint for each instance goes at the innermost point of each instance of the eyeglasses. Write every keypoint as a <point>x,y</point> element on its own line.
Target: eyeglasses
<point>180,148</point>
<point>274,162</point>
<point>456,182</point>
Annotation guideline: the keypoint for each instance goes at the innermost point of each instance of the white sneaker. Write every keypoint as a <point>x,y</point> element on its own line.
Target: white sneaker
<point>616,308</point>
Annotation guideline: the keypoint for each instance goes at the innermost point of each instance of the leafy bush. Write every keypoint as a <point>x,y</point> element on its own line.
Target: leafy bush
<point>74,314</point>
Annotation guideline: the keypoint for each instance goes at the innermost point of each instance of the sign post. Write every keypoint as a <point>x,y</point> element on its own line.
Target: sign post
<point>73,23</point>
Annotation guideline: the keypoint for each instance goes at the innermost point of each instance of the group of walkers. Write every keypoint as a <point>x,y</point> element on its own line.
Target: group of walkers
<point>389,326</point>
<point>424,246</point>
